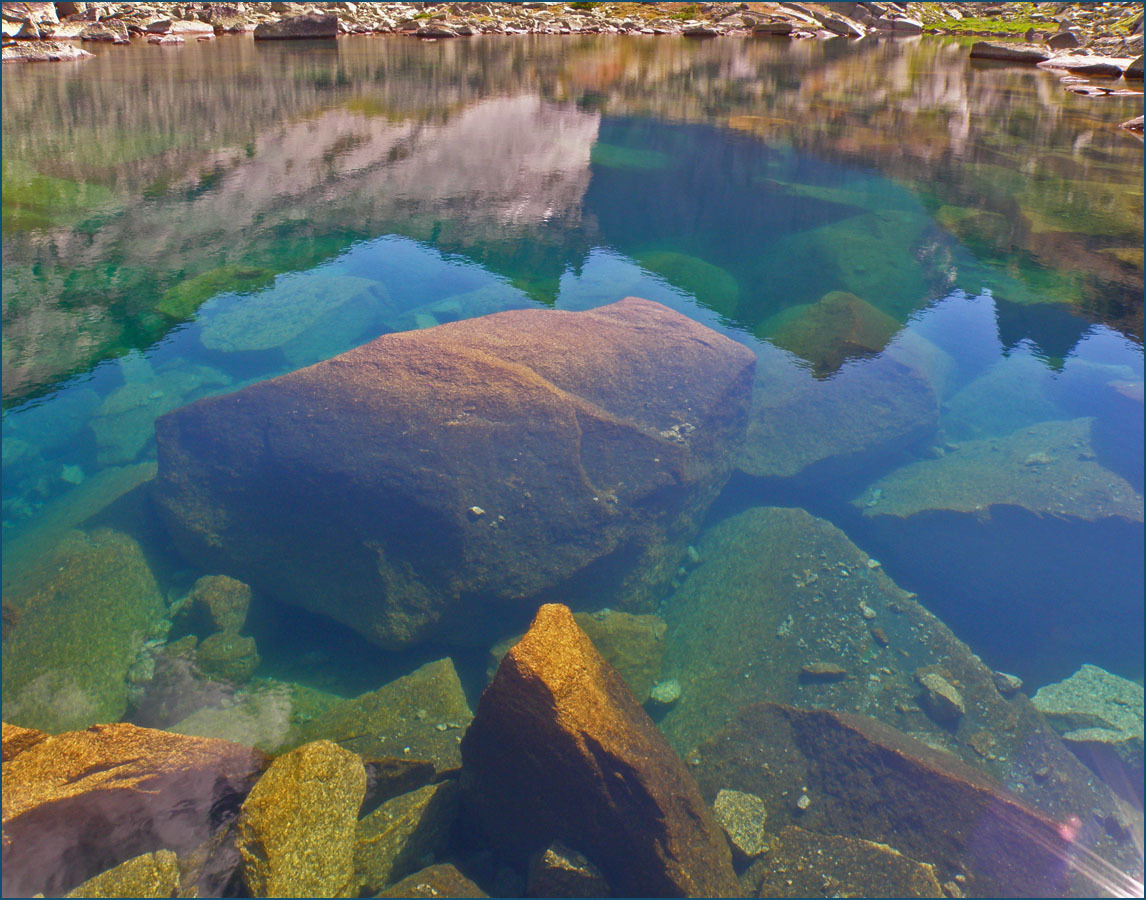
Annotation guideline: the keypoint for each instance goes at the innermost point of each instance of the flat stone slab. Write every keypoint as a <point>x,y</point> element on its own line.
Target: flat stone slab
<point>1103,66</point>
<point>1048,468</point>
<point>43,51</point>
<point>1010,52</point>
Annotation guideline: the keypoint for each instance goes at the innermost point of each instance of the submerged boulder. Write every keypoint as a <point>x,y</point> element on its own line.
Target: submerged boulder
<point>82,616</point>
<point>838,327</point>
<point>805,864</point>
<point>785,608</point>
<point>418,717</point>
<point>560,749</point>
<point>1099,716</point>
<point>408,487</point>
<point>863,779</point>
<point>79,803</point>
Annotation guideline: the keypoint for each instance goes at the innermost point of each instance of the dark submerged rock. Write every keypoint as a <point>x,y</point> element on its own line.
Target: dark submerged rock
<point>805,864</point>
<point>867,780</point>
<point>410,485</point>
<point>560,749</point>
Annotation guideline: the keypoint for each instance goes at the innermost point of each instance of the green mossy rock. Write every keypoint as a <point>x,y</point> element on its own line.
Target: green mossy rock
<point>838,327</point>
<point>296,827</point>
<point>79,628</point>
<point>219,602</point>
<point>425,711</point>
<point>613,156</point>
<point>393,841</point>
<point>151,875</point>
<point>182,300</point>
<point>228,656</point>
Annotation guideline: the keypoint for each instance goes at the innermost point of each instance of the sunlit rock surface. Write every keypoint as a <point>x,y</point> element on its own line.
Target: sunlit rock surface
<point>296,827</point>
<point>150,875</point>
<point>410,487</point>
<point>560,748</point>
<point>79,803</point>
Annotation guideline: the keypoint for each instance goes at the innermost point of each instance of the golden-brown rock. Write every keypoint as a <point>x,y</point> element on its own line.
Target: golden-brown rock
<point>560,749</point>
<point>77,803</point>
<point>442,880</point>
<point>296,829</point>
<point>151,875</point>
<point>17,739</point>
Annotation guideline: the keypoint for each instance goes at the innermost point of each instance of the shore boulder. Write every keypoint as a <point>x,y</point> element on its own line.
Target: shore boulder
<point>560,750</point>
<point>411,486</point>
<point>306,27</point>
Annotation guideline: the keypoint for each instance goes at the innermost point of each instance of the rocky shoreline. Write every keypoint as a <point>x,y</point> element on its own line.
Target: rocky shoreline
<point>1113,30</point>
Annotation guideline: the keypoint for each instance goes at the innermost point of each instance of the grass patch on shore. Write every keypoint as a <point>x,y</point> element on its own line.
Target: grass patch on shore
<point>973,25</point>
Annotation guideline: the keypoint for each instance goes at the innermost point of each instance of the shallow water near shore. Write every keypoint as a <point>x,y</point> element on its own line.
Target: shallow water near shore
<point>938,266</point>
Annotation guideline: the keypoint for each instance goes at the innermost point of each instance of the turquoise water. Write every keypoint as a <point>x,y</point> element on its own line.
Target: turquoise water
<point>938,268</point>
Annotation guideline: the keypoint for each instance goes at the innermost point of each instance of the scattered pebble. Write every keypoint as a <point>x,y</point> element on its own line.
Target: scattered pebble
<point>476,512</point>
<point>823,671</point>
<point>874,564</point>
<point>866,611</point>
<point>665,693</point>
<point>880,636</point>
<point>804,802</point>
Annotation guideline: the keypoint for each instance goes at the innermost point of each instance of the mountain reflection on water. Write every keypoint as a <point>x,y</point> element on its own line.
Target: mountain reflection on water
<point>265,160</point>
<point>937,267</point>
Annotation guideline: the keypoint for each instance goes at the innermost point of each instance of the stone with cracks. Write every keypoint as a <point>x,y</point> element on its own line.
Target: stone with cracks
<point>408,487</point>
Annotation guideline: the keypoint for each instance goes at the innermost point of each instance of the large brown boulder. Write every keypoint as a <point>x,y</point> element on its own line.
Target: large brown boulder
<point>561,750</point>
<point>79,803</point>
<point>408,486</point>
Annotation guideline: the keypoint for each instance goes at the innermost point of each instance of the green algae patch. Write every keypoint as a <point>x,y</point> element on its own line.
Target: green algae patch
<point>78,629</point>
<point>613,156</point>
<point>712,286</point>
<point>182,300</point>
<point>839,327</point>
<point>32,200</point>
